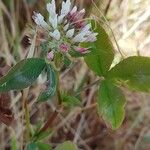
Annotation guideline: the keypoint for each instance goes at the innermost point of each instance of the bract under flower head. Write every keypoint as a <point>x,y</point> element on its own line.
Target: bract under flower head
<point>66,29</point>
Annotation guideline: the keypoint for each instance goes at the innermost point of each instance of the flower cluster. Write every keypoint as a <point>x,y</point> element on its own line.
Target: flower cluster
<point>67,29</point>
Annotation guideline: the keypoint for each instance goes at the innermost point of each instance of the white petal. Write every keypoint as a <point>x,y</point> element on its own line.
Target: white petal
<point>83,34</point>
<point>92,37</point>
<point>55,34</point>
<point>39,20</point>
<point>85,31</point>
<point>65,21</point>
<point>73,10</point>
<point>53,21</point>
<point>79,38</point>
<point>66,27</point>
<point>51,8</point>
<point>70,33</point>
<point>65,7</point>
<point>87,27</point>
<point>83,40</point>
<point>89,33</point>
<point>60,18</point>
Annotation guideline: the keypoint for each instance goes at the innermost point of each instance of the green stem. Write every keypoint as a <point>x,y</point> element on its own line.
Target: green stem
<point>25,93</point>
<point>58,90</point>
<point>52,64</point>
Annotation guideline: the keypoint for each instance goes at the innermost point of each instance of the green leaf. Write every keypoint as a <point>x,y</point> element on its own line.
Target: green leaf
<point>66,146</point>
<point>43,146</point>
<point>101,56</point>
<point>70,101</point>
<point>14,143</point>
<point>41,135</point>
<point>134,71</point>
<point>50,92</point>
<point>111,104</point>
<point>38,146</point>
<point>22,75</point>
<point>32,146</point>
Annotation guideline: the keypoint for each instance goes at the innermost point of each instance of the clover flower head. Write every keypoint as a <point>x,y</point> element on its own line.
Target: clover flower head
<point>66,29</point>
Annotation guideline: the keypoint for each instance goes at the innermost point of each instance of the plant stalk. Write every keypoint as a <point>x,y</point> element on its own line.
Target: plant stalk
<point>49,122</point>
<point>58,91</point>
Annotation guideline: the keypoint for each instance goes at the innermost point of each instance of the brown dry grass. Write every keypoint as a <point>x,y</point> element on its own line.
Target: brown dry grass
<point>130,22</point>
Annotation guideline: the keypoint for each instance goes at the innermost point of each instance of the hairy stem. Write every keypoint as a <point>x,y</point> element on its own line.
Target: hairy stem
<point>26,91</point>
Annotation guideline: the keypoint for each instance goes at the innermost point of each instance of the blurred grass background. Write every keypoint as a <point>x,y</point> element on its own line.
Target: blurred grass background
<point>130,22</point>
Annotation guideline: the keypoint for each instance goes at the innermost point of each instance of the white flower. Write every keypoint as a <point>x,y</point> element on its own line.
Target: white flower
<point>51,8</point>
<point>53,21</point>
<point>68,29</point>
<point>39,20</point>
<point>64,10</point>
<point>70,33</point>
<point>86,28</point>
<point>65,7</point>
<point>55,34</point>
<point>85,35</point>
<point>92,37</point>
<point>79,38</point>
<point>60,18</point>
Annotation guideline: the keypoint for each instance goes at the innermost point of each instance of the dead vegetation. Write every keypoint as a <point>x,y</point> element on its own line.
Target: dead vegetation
<point>130,22</point>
